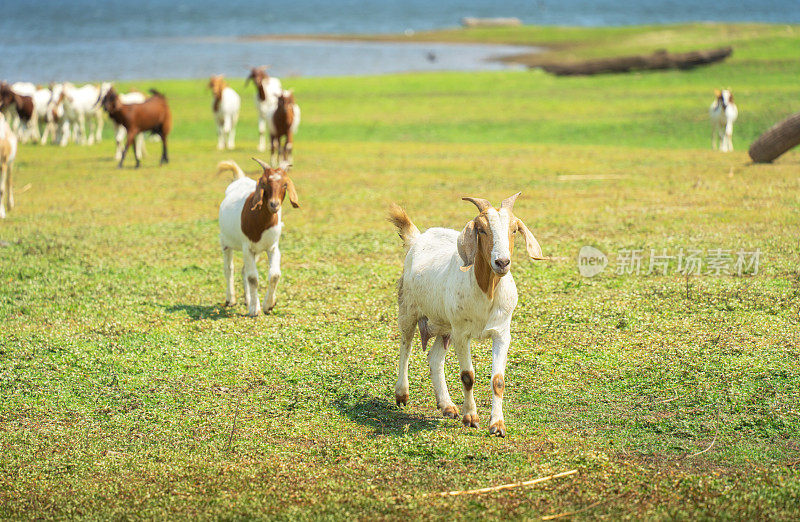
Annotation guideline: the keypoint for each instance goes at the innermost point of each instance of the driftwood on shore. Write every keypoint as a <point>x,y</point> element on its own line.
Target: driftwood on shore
<point>471,21</point>
<point>778,139</point>
<point>660,59</point>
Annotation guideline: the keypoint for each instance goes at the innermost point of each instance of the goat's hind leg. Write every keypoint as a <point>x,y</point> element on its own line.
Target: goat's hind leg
<point>406,323</point>
<point>227,267</point>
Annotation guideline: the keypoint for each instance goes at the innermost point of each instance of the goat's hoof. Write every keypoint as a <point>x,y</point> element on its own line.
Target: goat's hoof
<point>401,399</point>
<point>450,411</point>
<point>230,303</point>
<point>269,308</point>
<point>498,429</point>
<point>470,420</point>
<point>254,314</point>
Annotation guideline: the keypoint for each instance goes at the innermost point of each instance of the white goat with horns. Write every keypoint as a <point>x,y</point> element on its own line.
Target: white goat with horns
<point>456,287</point>
<point>250,221</point>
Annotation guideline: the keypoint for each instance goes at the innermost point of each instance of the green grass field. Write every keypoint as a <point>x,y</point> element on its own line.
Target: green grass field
<point>129,391</point>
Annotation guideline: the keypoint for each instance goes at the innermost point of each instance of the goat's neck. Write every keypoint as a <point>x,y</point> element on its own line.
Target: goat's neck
<point>256,221</point>
<point>486,278</point>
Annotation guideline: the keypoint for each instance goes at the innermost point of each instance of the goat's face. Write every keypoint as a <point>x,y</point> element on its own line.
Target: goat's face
<point>257,75</point>
<point>491,236</point>
<point>272,188</point>
<point>6,95</point>
<point>724,97</point>
<point>110,101</point>
<point>216,84</point>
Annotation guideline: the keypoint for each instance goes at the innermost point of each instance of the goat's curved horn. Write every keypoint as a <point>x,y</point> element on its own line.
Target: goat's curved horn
<point>508,203</point>
<point>481,203</point>
<point>285,165</point>
<point>263,164</point>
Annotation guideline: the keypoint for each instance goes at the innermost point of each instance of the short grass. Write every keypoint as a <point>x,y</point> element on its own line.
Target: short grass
<point>129,391</point>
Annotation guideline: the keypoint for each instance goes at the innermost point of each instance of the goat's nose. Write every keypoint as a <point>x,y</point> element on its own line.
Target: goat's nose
<point>502,263</point>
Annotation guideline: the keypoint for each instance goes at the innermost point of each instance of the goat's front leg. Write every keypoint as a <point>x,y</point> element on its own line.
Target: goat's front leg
<point>119,135</point>
<point>462,347</point>
<point>232,131</point>
<point>500,344</point>
<point>270,298</point>
<point>251,280</point>
<point>262,133</point>
<point>220,134</point>
<point>3,183</point>
<point>287,148</point>
<point>274,149</point>
<point>436,363</point>
<point>98,129</point>
<point>227,268</point>
<point>729,137</point>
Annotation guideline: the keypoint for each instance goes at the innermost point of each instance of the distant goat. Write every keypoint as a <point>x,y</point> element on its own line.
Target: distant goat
<point>250,221</point>
<point>226,111</point>
<point>10,110</point>
<point>57,125</point>
<point>127,98</point>
<point>152,115</point>
<point>723,113</point>
<point>268,90</point>
<point>457,287</point>
<point>8,152</point>
<point>83,112</point>
<point>283,126</point>
<point>22,106</point>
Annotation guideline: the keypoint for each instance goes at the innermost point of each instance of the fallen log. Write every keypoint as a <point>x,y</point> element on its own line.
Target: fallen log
<point>778,139</point>
<point>659,60</point>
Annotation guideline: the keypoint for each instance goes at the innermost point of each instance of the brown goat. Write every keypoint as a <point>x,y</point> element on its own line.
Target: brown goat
<point>257,76</point>
<point>23,106</point>
<point>152,115</point>
<point>285,121</point>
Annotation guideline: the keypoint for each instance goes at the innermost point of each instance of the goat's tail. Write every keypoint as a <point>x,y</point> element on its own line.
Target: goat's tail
<point>405,228</point>
<point>231,165</point>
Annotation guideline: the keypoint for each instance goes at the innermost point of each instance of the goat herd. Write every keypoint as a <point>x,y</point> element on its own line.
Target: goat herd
<point>62,111</point>
<point>455,286</point>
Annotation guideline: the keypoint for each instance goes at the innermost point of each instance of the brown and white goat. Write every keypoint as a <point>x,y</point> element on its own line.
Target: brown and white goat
<point>25,109</point>
<point>267,91</point>
<point>250,221</point>
<point>8,151</point>
<point>152,115</point>
<point>283,126</point>
<point>226,111</point>
<point>457,287</point>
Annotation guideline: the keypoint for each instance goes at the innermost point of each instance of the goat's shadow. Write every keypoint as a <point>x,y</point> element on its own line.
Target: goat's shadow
<point>199,312</point>
<point>382,415</point>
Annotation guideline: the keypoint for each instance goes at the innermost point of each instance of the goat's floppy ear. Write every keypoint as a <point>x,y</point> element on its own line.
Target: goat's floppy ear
<point>468,245</point>
<point>717,93</point>
<point>292,193</point>
<point>258,197</point>
<point>534,250</point>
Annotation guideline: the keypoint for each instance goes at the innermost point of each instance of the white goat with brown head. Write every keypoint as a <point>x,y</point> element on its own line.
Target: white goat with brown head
<point>457,287</point>
<point>250,221</point>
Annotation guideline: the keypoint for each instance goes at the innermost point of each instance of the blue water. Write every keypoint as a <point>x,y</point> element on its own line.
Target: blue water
<point>45,40</point>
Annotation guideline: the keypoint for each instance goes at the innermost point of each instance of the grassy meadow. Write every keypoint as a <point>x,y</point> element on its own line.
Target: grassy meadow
<point>129,390</point>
